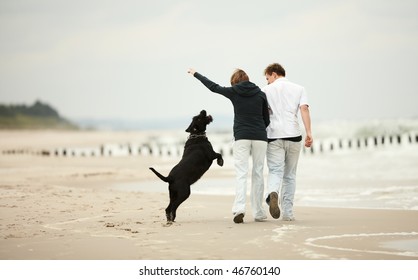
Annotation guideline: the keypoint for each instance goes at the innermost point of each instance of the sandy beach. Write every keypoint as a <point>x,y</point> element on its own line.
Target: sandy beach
<point>66,208</point>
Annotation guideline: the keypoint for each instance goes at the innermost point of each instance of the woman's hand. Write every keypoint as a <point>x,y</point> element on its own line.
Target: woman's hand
<point>191,71</point>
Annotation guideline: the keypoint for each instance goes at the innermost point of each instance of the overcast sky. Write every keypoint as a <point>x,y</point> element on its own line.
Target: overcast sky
<point>128,59</point>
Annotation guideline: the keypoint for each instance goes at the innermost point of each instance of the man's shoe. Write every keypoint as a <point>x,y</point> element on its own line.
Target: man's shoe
<point>239,219</point>
<point>274,205</point>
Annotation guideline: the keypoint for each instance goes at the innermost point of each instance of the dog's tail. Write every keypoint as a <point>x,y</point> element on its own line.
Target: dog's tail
<point>165,179</point>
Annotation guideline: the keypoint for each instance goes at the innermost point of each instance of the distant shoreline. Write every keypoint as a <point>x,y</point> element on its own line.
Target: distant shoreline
<point>36,116</point>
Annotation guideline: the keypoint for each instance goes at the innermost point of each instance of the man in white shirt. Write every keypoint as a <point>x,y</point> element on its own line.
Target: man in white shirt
<point>286,100</point>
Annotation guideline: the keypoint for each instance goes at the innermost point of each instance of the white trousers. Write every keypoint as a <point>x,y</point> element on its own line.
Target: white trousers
<point>242,150</point>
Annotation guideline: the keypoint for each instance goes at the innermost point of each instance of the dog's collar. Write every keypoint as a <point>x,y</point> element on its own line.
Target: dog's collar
<point>193,136</point>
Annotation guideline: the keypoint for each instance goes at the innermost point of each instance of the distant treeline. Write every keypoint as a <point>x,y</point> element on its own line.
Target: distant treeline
<point>37,116</point>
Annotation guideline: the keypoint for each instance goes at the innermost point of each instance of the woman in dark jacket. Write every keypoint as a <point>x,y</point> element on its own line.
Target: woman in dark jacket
<point>251,117</point>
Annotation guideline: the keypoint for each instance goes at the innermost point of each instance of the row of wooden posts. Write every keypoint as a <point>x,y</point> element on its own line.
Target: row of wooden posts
<point>330,145</point>
<point>175,150</point>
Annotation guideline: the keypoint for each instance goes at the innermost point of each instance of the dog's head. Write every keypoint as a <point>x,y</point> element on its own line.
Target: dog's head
<point>199,123</point>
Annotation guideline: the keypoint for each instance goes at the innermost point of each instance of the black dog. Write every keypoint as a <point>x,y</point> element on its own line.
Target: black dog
<point>197,158</point>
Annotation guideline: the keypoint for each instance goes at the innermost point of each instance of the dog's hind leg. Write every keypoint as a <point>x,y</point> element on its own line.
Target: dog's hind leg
<point>176,199</point>
<point>180,199</point>
<point>168,211</point>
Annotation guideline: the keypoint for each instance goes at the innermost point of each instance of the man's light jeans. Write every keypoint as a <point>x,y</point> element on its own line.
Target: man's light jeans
<point>242,151</point>
<point>282,161</point>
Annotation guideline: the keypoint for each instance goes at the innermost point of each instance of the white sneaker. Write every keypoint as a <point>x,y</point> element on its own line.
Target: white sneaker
<point>260,219</point>
<point>288,219</point>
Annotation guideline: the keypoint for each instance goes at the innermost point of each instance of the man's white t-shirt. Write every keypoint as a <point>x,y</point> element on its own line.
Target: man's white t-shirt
<point>285,99</point>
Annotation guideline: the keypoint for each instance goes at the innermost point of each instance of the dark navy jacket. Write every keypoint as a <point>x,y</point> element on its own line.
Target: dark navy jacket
<point>251,114</point>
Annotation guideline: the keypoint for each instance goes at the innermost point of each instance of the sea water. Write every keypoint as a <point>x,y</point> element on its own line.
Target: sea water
<point>385,178</point>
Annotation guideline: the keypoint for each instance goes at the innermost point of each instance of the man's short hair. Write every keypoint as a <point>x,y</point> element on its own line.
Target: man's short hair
<point>275,68</point>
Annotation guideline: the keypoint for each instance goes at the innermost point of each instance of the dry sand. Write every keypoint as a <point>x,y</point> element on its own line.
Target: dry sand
<point>65,208</point>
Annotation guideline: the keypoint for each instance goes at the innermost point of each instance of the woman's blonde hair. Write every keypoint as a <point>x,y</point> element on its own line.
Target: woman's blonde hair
<point>239,76</point>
